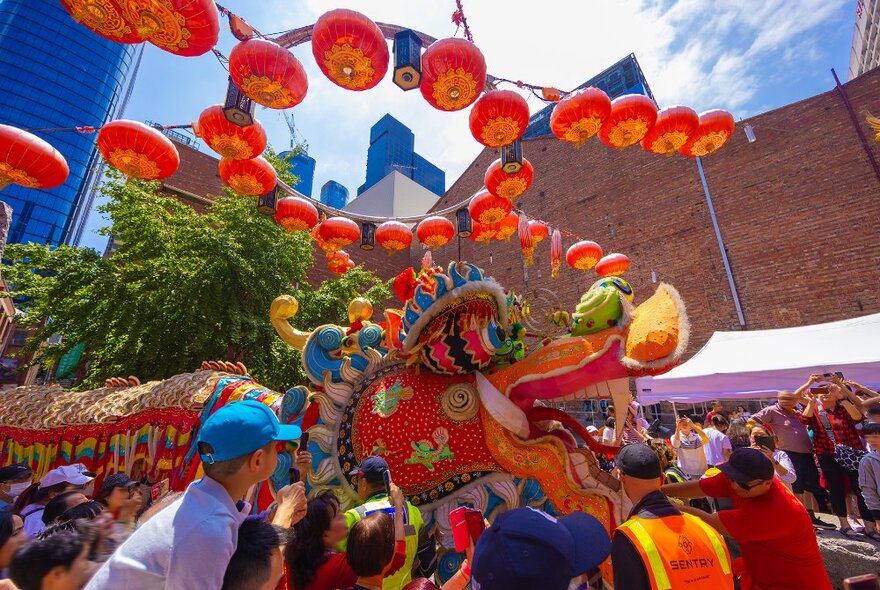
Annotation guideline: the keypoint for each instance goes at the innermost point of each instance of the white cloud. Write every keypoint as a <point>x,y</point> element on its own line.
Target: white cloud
<point>703,53</point>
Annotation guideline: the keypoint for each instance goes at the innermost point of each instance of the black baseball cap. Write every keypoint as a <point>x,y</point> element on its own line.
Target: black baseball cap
<point>14,471</point>
<point>372,469</point>
<point>639,461</point>
<point>747,464</point>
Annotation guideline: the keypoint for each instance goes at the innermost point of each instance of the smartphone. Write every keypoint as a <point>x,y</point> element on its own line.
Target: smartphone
<point>765,441</point>
<point>467,525</point>
<point>866,582</point>
<point>820,390</point>
<point>293,474</point>
<point>303,442</point>
<point>386,478</point>
<point>159,489</point>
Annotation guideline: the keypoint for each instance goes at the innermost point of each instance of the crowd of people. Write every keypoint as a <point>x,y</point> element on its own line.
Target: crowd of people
<point>727,501</point>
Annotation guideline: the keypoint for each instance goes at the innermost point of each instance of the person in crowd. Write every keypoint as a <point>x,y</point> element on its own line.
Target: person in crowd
<point>871,397</point>
<point>111,532</point>
<point>869,475</point>
<point>636,428</point>
<point>420,548</point>
<point>833,417</point>
<point>873,413</point>
<point>311,560</point>
<point>782,465</point>
<point>789,426</point>
<point>718,448</point>
<point>654,528</point>
<point>608,433</point>
<point>668,460</point>
<point>741,413</point>
<point>525,549</point>
<point>57,559</point>
<point>117,491</point>
<point>738,433</point>
<point>689,442</point>
<point>32,502</point>
<point>716,409</point>
<point>189,543</point>
<point>14,479</point>
<point>771,526</point>
<point>11,536</point>
<point>60,503</point>
<point>372,549</point>
<point>256,563</point>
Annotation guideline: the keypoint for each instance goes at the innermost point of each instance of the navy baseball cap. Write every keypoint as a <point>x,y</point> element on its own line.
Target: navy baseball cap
<point>526,549</point>
<point>746,464</point>
<point>240,428</point>
<point>371,469</point>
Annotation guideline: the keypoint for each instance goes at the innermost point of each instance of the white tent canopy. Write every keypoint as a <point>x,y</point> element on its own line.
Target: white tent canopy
<point>759,363</point>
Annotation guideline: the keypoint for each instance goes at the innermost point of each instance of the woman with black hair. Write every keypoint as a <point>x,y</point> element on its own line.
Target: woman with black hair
<point>11,536</point>
<point>60,504</point>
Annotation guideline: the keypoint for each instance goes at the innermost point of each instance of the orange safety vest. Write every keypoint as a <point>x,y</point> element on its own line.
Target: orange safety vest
<point>680,552</point>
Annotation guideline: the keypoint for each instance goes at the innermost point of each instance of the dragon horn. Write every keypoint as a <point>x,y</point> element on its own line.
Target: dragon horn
<point>282,309</point>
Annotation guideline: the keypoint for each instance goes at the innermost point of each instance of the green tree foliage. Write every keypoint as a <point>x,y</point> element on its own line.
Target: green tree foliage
<point>181,288</point>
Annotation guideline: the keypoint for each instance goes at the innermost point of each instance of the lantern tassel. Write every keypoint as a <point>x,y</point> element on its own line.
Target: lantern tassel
<point>555,253</point>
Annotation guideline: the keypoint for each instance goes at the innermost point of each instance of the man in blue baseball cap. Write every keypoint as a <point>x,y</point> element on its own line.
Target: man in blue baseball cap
<point>189,543</point>
<point>526,549</point>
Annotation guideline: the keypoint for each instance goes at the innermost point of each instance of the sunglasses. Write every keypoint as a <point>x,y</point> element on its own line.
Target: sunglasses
<point>750,486</point>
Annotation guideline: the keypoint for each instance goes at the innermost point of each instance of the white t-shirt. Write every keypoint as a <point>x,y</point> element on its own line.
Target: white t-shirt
<point>783,459</point>
<point>718,441</point>
<point>608,435</point>
<point>691,456</point>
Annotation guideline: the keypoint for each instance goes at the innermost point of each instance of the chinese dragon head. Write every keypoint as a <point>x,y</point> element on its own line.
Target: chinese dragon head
<point>446,392</point>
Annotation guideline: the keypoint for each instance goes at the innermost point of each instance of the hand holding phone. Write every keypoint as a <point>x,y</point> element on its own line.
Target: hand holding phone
<point>766,441</point>
<point>467,525</point>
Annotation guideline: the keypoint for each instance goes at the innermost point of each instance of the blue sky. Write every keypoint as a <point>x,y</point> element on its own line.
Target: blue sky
<point>747,56</point>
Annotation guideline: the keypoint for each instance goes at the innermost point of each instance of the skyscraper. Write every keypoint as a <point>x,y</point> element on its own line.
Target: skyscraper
<point>391,148</point>
<point>303,166</point>
<point>865,53</point>
<point>334,194</point>
<point>624,77</point>
<point>56,73</point>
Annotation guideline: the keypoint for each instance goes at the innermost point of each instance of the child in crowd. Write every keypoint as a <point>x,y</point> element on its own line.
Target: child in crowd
<point>257,563</point>
<point>56,558</point>
<point>761,437</point>
<point>869,474</point>
<point>189,543</point>
<point>689,441</point>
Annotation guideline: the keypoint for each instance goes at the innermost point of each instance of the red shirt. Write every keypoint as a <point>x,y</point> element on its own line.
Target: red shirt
<point>336,573</point>
<point>775,535</point>
<point>842,426</point>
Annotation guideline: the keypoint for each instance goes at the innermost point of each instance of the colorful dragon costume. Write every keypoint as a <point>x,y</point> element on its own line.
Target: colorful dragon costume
<point>442,389</point>
<point>460,423</point>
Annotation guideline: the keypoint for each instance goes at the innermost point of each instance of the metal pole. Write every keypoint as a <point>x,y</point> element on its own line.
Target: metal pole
<point>727,270</point>
<point>855,121</point>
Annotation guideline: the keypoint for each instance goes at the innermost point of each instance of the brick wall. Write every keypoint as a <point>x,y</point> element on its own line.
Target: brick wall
<point>798,211</point>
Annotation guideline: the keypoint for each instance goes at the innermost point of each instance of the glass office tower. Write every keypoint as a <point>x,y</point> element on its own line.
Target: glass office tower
<point>392,148</point>
<point>55,73</point>
<point>334,194</point>
<point>303,165</point>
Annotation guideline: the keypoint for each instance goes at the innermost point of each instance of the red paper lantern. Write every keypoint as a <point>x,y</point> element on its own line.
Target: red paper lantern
<point>350,49</point>
<point>612,265</point>
<point>508,186</point>
<point>228,139</point>
<point>28,161</point>
<point>672,129</point>
<point>435,231</point>
<point>525,240</point>
<point>538,230</point>
<point>715,128</point>
<point>268,74</point>
<point>394,236</point>
<point>482,233</point>
<point>488,209</point>
<point>499,117</point>
<point>630,119</point>
<point>295,214</point>
<point>182,27</point>
<point>583,255</point>
<point>508,226</point>
<point>104,18</point>
<point>339,262</point>
<point>453,74</point>
<point>580,115</point>
<point>248,177</point>
<point>335,233</point>
<point>138,151</point>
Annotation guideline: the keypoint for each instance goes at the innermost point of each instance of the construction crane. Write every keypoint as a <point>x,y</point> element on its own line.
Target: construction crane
<point>294,143</point>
